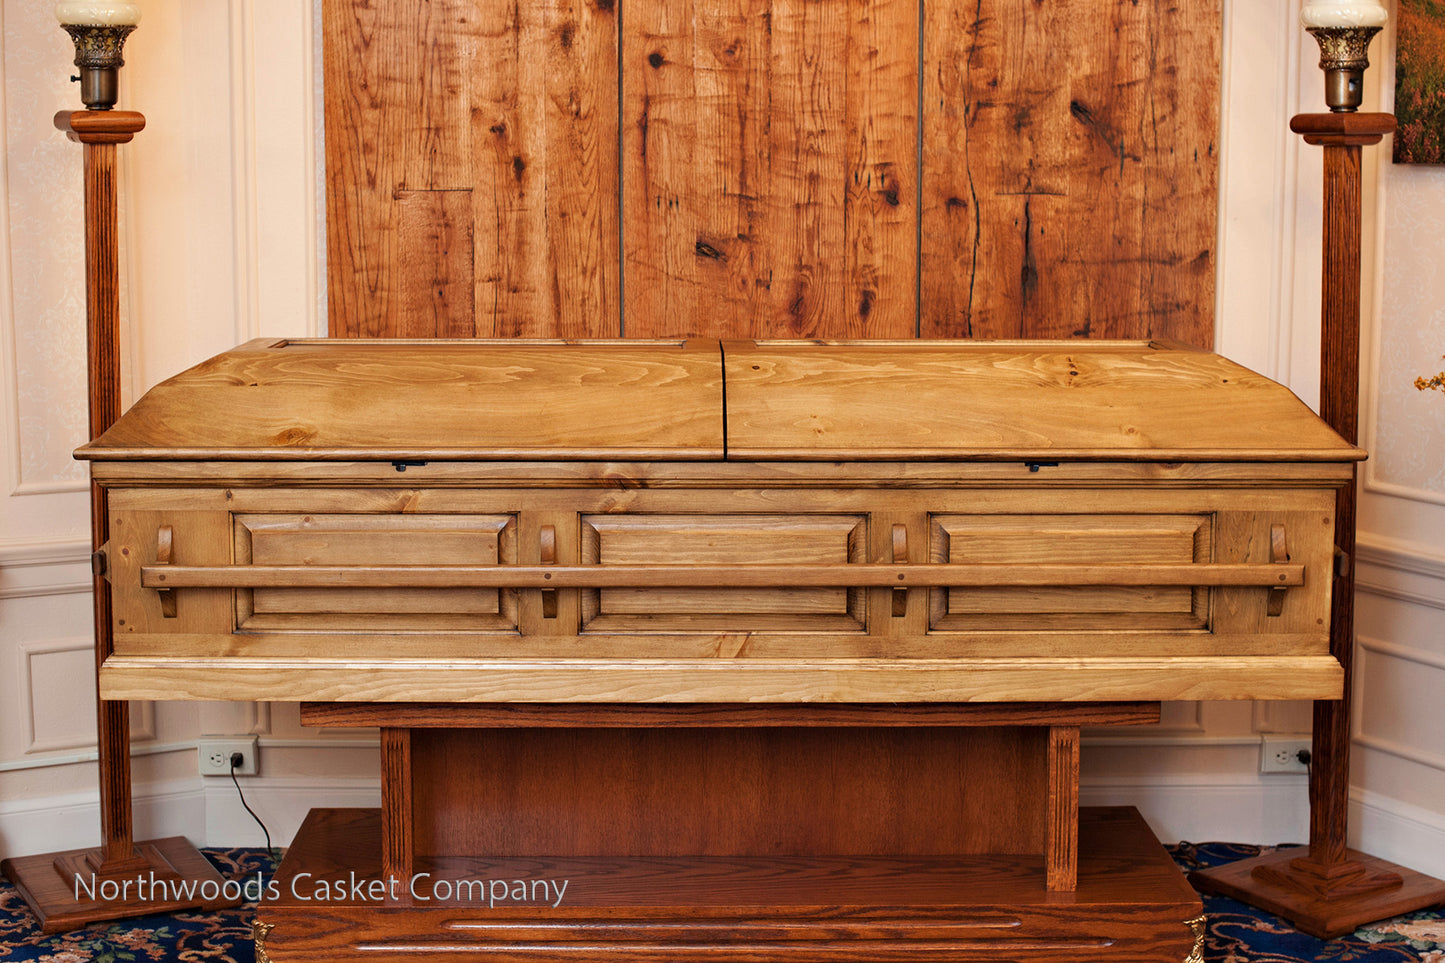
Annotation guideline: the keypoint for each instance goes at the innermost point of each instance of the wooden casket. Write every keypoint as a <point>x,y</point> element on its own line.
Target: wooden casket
<point>774,650</point>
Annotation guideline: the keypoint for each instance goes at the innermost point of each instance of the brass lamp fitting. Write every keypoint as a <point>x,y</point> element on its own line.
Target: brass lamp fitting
<point>98,55</point>
<point>1344,55</point>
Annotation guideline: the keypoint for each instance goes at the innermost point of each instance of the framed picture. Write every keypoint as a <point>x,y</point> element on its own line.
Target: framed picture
<point>1420,82</point>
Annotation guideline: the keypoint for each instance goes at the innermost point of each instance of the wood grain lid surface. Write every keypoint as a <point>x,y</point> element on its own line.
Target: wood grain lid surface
<point>351,399</point>
<point>1005,400</point>
<point>346,399</point>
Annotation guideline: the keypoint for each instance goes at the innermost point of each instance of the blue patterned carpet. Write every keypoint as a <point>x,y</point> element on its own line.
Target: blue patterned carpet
<point>1242,934</point>
<point>1237,933</point>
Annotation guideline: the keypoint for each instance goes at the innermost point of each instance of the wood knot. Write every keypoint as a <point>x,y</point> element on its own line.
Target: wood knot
<point>295,436</point>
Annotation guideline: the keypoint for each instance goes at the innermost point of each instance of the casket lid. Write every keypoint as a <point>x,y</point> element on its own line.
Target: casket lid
<point>348,399</point>
<point>1005,400</point>
<point>326,400</point>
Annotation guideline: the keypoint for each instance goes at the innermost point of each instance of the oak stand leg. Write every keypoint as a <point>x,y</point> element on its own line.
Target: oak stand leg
<point>67,890</point>
<point>1332,890</point>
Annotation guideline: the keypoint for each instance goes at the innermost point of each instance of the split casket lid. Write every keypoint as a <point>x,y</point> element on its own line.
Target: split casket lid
<point>708,400</point>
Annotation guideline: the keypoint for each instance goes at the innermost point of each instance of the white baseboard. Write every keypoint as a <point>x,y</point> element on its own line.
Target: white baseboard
<point>1234,809</point>
<point>282,804</point>
<point>72,821</point>
<point>1270,812</point>
<point>205,811</point>
<point>1397,831</point>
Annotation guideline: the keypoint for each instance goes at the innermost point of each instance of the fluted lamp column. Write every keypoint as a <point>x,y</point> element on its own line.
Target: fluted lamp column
<point>121,878</point>
<point>1331,890</point>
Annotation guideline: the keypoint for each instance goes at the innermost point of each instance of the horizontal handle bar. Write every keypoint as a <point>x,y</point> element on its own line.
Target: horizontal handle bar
<point>714,576</point>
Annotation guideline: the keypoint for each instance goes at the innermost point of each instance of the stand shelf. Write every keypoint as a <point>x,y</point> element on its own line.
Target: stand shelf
<point>1132,905</point>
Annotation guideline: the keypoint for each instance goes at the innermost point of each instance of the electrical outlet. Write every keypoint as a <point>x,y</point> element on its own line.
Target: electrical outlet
<point>215,752</point>
<point>1282,754</point>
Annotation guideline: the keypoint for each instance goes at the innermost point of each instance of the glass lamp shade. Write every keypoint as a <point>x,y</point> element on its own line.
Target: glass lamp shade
<point>1343,13</point>
<point>98,13</point>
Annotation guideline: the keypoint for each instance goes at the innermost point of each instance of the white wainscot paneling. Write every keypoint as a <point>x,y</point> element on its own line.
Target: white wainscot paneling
<point>1402,571</point>
<point>46,636</point>
<point>1283,717</point>
<point>46,567</point>
<point>46,670</point>
<point>1400,707</point>
<point>57,697</point>
<point>1398,767</point>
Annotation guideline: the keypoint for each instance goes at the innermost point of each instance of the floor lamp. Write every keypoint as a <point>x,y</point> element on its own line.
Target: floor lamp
<point>1331,890</point>
<point>122,878</point>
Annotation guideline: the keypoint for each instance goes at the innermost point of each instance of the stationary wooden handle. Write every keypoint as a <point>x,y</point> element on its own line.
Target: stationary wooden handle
<point>714,576</point>
<point>1278,554</point>
<point>548,539</point>
<point>165,539</point>
<point>900,557</point>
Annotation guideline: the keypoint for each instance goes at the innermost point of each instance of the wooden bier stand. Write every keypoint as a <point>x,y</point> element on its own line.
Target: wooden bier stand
<point>768,650</point>
<point>1333,890</point>
<point>48,882</point>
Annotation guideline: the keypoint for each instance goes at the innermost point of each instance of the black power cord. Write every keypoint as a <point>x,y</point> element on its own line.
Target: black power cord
<point>236,760</point>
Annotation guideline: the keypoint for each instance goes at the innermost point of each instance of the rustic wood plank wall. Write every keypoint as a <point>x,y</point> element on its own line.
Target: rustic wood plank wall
<point>472,177</point>
<point>770,158</point>
<point>1071,176</point>
<point>772,168</point>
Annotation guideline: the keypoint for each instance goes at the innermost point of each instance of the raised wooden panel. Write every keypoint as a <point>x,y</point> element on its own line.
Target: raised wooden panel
<point>481,137</point>
<point>1246,537</point>
<point>198,538</point>
<point>1086,539</point>
<point>407,539</point>
<point>1069,169</point>
<point>770,168</point>
<point>723,540</point>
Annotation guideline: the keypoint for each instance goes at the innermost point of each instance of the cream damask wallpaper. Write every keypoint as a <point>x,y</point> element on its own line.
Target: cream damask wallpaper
<point>46,254</point>
<point>1409,443</point>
